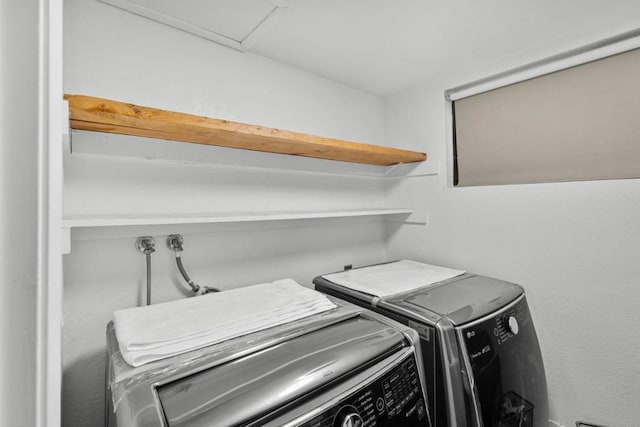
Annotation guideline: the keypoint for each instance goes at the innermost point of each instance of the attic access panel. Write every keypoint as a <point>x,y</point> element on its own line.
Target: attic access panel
<point>233,23</point>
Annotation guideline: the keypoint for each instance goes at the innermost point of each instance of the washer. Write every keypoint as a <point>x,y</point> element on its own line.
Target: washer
<point>348,367</point>
<point>479,347</point>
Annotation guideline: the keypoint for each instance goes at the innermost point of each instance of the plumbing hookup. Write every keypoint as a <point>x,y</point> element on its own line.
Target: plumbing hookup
<point>146,245</point>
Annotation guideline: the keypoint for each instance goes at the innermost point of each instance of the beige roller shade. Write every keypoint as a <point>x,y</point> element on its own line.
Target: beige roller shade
<point>582,123</point>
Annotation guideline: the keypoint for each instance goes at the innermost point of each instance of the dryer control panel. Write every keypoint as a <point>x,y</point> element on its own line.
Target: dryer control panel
<point>395,399</point>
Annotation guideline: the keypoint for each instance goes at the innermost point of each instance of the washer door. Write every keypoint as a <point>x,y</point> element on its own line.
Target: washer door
<point>508,377</point>
<point>267,380</point>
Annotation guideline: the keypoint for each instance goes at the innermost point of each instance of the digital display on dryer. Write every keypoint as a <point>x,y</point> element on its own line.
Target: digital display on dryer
<point>396,399</point>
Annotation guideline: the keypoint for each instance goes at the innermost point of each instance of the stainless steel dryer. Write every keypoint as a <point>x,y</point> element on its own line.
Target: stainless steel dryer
<point>479,347</point>
<point>348,367</point>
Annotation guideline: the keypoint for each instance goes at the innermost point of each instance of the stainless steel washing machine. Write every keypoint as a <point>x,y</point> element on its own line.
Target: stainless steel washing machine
<point>347,367</point>
<point>479,346</point>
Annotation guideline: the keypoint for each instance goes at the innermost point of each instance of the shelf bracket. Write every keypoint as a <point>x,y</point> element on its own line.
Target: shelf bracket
<point>415,218</point>
<point>419,218</point>
<point>65,240</point>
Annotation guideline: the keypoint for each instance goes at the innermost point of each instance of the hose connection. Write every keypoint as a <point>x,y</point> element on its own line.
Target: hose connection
<point>174,242</point>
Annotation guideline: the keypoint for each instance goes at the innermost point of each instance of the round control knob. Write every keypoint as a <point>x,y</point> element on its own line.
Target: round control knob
<point>348,416</point>
<point>352,420</point>
<point>512,324</point>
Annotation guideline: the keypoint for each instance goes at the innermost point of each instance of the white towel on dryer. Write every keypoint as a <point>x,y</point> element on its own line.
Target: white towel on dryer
<point>384,280</point>
<point>162,330</point>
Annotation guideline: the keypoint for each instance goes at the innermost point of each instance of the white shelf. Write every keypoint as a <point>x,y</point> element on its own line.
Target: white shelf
<point>100,226</point>
<point>129,220</point>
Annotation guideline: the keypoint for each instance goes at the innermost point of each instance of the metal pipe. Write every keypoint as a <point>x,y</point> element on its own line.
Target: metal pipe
<point>146,245</point>
<point>148,256</point>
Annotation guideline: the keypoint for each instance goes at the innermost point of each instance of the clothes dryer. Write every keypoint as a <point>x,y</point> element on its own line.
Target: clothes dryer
<point>479,347</point>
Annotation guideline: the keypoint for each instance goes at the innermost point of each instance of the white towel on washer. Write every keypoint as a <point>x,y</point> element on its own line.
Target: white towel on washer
<point>392,278</point>
<point>162,330</point>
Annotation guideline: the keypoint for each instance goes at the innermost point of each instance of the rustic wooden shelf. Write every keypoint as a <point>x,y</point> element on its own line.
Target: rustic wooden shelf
<point>104,115</point>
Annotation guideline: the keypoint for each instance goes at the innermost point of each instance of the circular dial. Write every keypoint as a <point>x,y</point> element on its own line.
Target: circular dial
<point>512,324</point>
<point>348,416</point>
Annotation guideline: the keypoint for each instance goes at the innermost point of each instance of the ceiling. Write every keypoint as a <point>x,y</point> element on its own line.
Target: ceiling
<point>385,46</point>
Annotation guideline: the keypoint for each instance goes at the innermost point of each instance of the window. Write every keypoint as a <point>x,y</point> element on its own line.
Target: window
<point>581,123</point>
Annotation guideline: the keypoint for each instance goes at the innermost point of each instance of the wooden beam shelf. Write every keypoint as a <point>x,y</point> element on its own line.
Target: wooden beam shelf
<point>104,115</point>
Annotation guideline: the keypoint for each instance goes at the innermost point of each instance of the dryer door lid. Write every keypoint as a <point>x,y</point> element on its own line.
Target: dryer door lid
<point>464,300</point>
<point>266,380</point>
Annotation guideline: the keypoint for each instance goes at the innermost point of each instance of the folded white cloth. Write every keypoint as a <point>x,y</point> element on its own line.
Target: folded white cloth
<point>162,330</point>
<point>393,278</point>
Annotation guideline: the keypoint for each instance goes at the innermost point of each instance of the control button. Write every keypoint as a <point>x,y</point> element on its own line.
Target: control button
<point>512,324</point>
<point>348,416</point>
<point>380,404</point>
<point>352,420</point>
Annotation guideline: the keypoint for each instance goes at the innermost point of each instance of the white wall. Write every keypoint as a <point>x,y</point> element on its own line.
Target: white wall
<point>18,210</point>
<point>573,246</point>
<point>114,54</point>
<point>110,53</point>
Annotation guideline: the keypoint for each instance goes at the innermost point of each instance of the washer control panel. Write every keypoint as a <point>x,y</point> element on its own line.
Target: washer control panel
<point>395,399</point>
